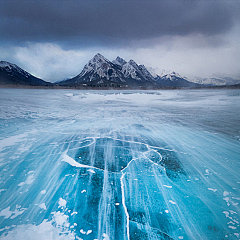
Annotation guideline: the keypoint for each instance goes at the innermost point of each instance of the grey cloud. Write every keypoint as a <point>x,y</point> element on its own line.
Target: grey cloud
<point>112,22</point>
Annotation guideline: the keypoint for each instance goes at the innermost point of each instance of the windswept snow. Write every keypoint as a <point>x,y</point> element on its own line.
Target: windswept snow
<point>119,164</point>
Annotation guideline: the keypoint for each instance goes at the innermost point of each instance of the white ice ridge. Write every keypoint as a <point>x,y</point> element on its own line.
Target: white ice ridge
<point>123,197</point>
<point>124,204</point>
<point>72,162</point>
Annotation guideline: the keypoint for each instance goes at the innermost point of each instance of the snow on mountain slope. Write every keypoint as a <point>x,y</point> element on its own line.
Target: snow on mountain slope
<point>129,70</point>
<point>101,66</point>
<point>173,76</point>
<point>217,80</point>
<point>146,73</point>
<point>119,61</point>
<point>98,69</point>
<point>10,68</point>
<point>101,71</point>
<point>165,74</point>
<point>158,71</point>
<point>12,74</point>
<point>137,72</point>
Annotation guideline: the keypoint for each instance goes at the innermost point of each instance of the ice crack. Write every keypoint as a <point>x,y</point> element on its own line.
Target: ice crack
<point>124,203</point>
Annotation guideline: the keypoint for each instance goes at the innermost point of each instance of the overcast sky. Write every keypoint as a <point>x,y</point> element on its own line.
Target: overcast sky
<point>53,40</point>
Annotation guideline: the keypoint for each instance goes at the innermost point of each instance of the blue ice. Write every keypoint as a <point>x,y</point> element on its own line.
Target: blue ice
<point>112,165</point>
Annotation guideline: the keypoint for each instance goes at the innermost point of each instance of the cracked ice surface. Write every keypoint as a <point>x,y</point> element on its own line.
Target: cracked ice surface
<point>121,165</point>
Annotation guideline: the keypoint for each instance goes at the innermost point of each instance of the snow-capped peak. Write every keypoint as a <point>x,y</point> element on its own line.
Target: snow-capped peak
<point>173,74</point>
<point>119,61</point>
<point>158,71</point>
<point>129,70</point>
<point>133,63</point>
<point>145,72</point>
<point>4,64</point>
<point>217,79</point>
<point>166,74</point>
<point>97,63</point>
<point>135,71</point>
<point>99,67</point>
<point>98,58</point>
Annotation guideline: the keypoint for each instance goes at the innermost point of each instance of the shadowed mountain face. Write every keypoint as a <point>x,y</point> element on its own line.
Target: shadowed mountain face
<point>11,74</point>
<point>100,72</point>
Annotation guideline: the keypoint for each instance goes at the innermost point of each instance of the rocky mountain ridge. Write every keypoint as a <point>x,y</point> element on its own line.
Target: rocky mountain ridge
<point>100,72</point>
<point>103,73</point>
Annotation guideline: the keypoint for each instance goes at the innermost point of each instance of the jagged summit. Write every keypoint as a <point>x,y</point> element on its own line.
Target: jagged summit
<point>99,68</point>
<point>98,57</point>
<point>98,64</point>
<point>146,73</point>
<point>138,72</point>
<point>158,71</point>
<point>129,71</point>
<point>7,64</point>
<point>132,62</point>
<point>119,61</point>
<point>172,76</point>
<point>99,71</point>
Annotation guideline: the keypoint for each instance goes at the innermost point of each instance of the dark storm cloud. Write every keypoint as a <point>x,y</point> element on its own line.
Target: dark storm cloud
<point>112,21</point>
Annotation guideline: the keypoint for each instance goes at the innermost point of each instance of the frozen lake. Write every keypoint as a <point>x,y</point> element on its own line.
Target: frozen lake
<point>112,165</point>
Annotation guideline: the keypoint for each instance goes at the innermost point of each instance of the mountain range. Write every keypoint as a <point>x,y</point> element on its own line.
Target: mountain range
<point>102,73</point>
<point>217,80</point>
